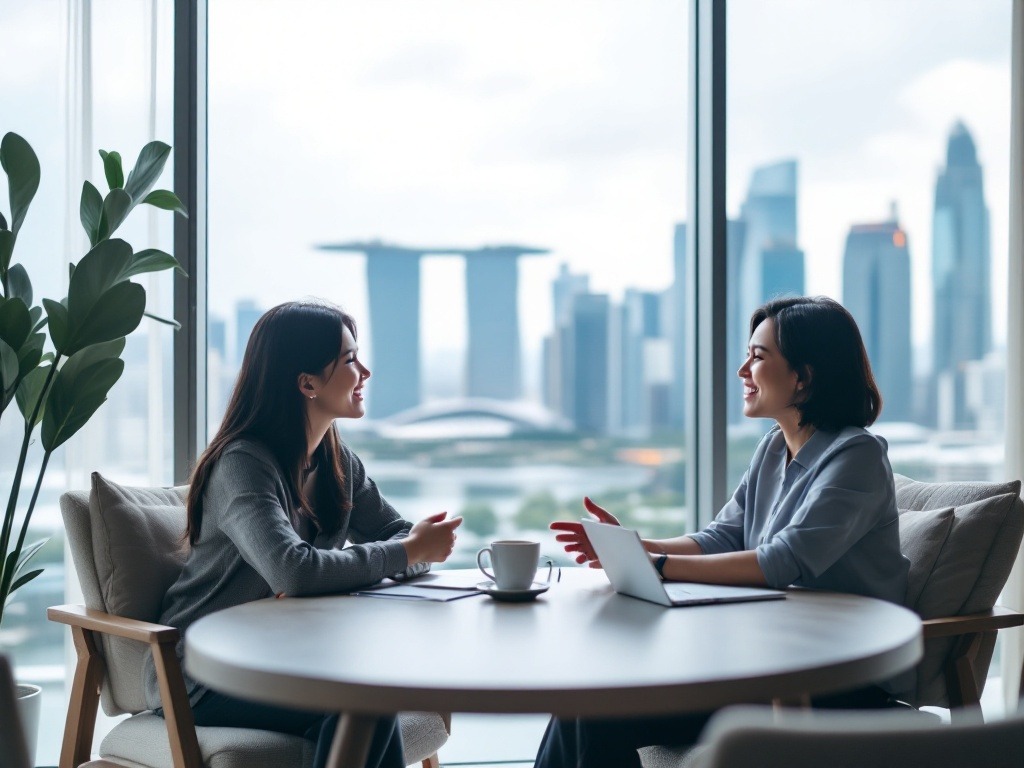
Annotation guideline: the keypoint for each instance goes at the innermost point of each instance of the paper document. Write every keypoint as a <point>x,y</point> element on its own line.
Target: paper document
<point>439,586</point>
<point>398,591</point>
<point>465,578</point>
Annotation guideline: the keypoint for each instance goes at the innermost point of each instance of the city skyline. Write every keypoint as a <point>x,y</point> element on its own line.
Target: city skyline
<point>607,366</point>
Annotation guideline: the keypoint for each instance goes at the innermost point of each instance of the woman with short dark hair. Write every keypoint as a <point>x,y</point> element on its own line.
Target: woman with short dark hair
<point>816,508</point>
<point>275,498</point>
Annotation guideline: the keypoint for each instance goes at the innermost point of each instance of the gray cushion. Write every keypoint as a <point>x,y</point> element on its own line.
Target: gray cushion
<point>671,757</point>
<point>141,742</point>
<point>922,534</point>
<point>976,558</point>
<point>137,540</point>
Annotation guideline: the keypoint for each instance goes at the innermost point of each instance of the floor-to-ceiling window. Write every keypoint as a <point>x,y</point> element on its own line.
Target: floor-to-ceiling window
<point>496,191</point>
<point>867,151</point>
<point>78,77</point>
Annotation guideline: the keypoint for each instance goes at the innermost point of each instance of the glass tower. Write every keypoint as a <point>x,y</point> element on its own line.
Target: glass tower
<point>876,290</point>
<point>961,269</point>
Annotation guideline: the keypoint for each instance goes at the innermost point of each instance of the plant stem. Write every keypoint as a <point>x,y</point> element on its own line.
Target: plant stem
<point>12,501</point>
<point>8,579</point>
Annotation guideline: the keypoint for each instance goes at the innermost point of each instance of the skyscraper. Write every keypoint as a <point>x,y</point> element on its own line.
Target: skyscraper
<point>636,341</point>
<point>247,312</point>
<point>493,367</point>
<point>557,363</point>
<point>768,263</point>
<point>588,357</point>
<point>771,263</point>
<point>961,270</point>
<point>393,285</point>
<point>876,290</point>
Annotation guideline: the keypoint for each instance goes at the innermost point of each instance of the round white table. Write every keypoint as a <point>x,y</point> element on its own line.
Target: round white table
<point>579,650</point>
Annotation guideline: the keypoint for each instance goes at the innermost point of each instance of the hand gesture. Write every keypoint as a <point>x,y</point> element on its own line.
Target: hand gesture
<point>432,539</point>
<point>575,537</point>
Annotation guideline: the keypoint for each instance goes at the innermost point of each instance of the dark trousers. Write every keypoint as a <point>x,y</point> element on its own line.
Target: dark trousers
<point>216,709</point>
<point>613,743</point>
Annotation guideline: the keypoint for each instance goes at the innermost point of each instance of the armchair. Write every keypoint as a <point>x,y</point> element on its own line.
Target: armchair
<point>758,737</point>
<point>961,539</point>
<point>126,544</point>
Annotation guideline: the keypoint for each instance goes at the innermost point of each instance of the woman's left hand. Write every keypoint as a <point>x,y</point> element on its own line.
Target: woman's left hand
<point>575,538</point>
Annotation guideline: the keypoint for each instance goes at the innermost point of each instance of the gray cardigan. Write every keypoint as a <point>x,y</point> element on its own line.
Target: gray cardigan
<point>250,548</point>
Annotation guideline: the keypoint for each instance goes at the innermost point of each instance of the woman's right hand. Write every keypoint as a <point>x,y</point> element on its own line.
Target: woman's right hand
<point>432,539</point>
<point>575,538</point>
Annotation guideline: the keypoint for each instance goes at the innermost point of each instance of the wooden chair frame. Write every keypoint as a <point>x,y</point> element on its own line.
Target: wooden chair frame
<point>85,623</point>
<point>974,633</point>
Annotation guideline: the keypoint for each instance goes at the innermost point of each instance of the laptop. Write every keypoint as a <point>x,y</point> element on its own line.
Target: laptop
<point>632,573</point>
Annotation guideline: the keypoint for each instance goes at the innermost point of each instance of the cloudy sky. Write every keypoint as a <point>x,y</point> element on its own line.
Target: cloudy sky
<point>558,124</point>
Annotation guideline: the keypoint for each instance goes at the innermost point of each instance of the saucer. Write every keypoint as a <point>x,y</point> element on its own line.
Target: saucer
<point>512,595</point>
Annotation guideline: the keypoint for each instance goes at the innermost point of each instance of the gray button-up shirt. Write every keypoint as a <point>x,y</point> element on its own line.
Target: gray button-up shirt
<point>826,521</point>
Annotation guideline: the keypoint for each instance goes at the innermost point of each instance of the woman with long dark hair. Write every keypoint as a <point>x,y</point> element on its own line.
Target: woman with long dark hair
<point>275,498</point>
<point>816,508</point>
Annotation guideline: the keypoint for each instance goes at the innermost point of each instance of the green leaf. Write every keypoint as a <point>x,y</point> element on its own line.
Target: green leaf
<point>152,260</point>
<point>165,320</point>
<point>18,284</point>
<point>3,222</point>
<point>116,206</point>
<point>31,354</point>
<point>15,322</point>
<point>102,267</point>
<point>27,553</point>
<point>22,167</point>
<point>57,317</point>
<point>90,211</point>
<point>102,304</point>
<point>166,200</point>
<point>112,169</point>
<point>76,394</point>
<point>7,239</point>
<point>117,313</point>
<point>21,582</point>
<point>96,352</point>
<point>147,169</point>
<point>29,391</point>
<point>38,321</point>
<point>9,369</point>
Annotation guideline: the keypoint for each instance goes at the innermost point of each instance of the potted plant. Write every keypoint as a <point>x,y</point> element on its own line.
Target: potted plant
<point>60,358</point>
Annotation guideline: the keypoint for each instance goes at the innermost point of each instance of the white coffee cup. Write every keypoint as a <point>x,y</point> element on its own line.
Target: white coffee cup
<point>514,563</point>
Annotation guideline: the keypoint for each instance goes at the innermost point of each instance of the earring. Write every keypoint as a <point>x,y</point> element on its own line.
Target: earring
<point>312,397</point>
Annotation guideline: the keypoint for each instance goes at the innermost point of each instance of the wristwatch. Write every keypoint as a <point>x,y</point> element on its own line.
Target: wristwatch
<point>659,565</point>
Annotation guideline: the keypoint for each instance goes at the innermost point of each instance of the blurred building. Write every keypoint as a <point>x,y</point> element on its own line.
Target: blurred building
<point>640,366</point>
<point>961,269</point>
<point>557,371</point>
<point>588,346</point>
<point>247,312</point>
<point>876,290</point>
<point>770,264</point>
<point>493,365</point>
<point>763,261</point>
